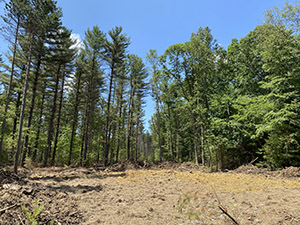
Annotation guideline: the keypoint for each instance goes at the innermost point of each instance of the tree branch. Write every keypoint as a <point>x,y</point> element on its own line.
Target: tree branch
<point>223,209</point>
<point>9,207</point>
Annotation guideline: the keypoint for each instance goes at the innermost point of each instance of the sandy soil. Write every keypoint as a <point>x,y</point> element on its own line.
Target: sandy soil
<point>160,195</point>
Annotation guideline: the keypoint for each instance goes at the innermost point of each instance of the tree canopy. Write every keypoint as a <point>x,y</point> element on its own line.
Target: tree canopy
<point>84,105</point>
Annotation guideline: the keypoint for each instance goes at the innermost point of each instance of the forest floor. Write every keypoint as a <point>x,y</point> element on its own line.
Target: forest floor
<point>142,194</point>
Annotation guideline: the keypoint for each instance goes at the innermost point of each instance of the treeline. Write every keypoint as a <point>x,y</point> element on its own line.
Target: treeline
<point>224,108</point>
<point>64,103</point>
<point>68,105</point>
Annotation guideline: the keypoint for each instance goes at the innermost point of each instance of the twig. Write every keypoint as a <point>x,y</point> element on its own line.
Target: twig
<point>223,209</point>
<point>253,160</point>
<point>9,207</point>
<point>219,202</point>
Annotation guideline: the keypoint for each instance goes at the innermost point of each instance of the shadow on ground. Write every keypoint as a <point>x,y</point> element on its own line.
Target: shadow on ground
<point>54,178</point>
<point>90,175</point>
<point>75,189</point>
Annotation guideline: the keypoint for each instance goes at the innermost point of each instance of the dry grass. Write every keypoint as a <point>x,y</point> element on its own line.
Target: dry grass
<point>231,182</point>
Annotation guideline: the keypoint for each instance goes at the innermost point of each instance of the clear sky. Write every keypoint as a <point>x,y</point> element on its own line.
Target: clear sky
<point>157,24</point>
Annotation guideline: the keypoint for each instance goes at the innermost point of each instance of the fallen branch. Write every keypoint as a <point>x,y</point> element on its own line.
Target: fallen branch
<point>9,207</point>
<point>223,209</point>
<point>227,214</point>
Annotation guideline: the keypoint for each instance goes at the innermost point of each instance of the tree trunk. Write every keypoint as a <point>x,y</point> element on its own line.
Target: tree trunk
<point>170,133</point>
<point>17,113</point>
<point>53,111</point>
<point>136,141</point>
<point>113,127</point>
<point>118,132</point>
<point>75,118</point>
<point>129,127</point>
<point>128,137</point>
<point>99,147</point>
<point>112,134</point>
<point>89,104</point>
<point>105,152</point>
<point>153,152</point>
<point>10,86</point>
<point>120,126</point>
<point>123,128</point>
<point>210,163</point>
<point>195,139</point>
<point>202,144</point>
<point>158,127</point>
<point>86,139</point>
<point>36,78</point>
<point>23,105</point>
<point>39,125</point>
<point>177,141</point>
<point>141,148</point>
<point>58,119</point>
<point>82,145</point>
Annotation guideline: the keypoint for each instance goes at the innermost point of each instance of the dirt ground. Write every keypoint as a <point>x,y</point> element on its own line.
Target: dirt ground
<point>144,194</point>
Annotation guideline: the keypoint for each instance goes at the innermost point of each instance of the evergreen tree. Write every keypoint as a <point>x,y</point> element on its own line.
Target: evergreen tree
<point>74,98</point>
<point>16,13</point>
<point>137,91</point>
<point>153,59</point>
<point>42,14</point>
<point>114,55</point>
<point>67,54</point>
<point>93,50</point>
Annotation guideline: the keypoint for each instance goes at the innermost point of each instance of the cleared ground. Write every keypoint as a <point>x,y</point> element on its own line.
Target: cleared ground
<point>166,194</point>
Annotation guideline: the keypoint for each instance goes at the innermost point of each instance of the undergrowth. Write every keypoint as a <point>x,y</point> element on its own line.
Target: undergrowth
<point>32,217</point>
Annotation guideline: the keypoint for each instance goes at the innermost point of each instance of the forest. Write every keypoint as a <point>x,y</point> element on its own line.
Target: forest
<point>68,104</point>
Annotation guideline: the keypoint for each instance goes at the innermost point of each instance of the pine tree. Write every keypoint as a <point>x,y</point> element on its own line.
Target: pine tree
<point>152,58</point>
<point>76,92</point>
<point>67,54</point>
<point>61,58</point>
<point>137,91</point>
<point>32,105</point>
<point>114,55</point>
<point>16,12</point>
<point>93,50</point>
<point>42,13</point>
<point>121,106</point>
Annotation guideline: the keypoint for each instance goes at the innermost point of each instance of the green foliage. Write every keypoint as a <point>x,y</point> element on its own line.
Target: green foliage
<point>32,217</point>
<point>218,107</point>
<point>238,104</point>
<point>183,201</point>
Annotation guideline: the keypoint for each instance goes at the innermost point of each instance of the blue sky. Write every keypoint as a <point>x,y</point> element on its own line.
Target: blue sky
<point>157,24</point>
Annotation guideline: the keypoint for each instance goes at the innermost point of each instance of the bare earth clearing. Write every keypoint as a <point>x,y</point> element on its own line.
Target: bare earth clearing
<point>165,194</point>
